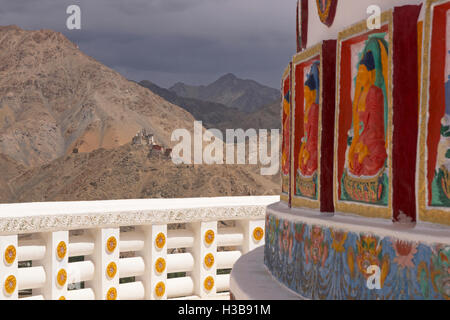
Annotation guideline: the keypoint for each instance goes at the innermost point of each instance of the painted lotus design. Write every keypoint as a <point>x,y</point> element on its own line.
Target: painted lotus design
<point>369,253</point>
<point>404,252</point>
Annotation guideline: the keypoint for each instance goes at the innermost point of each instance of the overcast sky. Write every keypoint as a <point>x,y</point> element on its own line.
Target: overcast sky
<point>166,41</point>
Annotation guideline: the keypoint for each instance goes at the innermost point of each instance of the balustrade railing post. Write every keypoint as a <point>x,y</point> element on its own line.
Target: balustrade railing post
<point>253,234</point>
<point>55,264</point>
<point>204,253</point>
<point>106,260</point>
<point>8,268</point>
<point>155,257</point>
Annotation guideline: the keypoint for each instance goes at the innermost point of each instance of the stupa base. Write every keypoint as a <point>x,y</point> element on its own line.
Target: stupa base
<point>313,256</point>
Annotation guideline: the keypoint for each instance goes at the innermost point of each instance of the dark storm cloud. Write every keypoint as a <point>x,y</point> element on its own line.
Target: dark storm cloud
<point>166,41</point>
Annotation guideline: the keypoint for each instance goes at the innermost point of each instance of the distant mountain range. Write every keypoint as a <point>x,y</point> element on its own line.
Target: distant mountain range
<point>244,95</point>
<point>219,116</point>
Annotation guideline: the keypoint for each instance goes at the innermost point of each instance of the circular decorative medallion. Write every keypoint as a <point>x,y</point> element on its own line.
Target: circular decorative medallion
<point>209,260</point>
<point>61,250</point>
<point>258,234</point>
<point>10,284</point>
<point>61,277</point>
<point>160,240</point>
<point>10,254</point>
<point>209,283</point>
<point>111,244</point>
<point>160,289</point>
<point>209,237</point>
<point>111,294</point>
<point>62,298</point>
<point>160,265</point>
<point>111,270</point>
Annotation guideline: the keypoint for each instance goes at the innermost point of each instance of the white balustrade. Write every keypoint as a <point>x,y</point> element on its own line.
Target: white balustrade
<point>31,278</point>
<point>180,262</point>
<point>230,237</point>
<point>223,282</point>
<point>132,291</point>
<point>130,267</point>
<point>9,267</point>
<point>77,251</point>
<point>31,250</point>
<point>226,259</point>
<point>180,287</point>
<point>55,263</point>
<point>81,294</point>
<point>180,239</point>
<point>81,271</point>
<point>81,246</point>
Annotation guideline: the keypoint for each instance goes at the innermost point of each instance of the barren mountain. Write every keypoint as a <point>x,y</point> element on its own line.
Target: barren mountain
<point>130,172</point>
<point>210,113</point>
<point>266,118</point>
<point>219,116</point>
<point>245,95</point>
<point>8,170</point>
<point>54,98</point>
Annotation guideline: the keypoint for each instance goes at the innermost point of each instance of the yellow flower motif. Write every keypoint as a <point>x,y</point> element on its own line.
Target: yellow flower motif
<point>111,270</point>
<point>10,254</point>
<point>209,260</point>
<point>111,244</point>
<point>160,289</point>
<point>10,284</point>
<point>61,277</point>
<point>111,294</point>
<point>209,283</point>
<point>160,265</point>
<point>160,240</point>
<point>258,234</point>
<point>61,250</point>
<point>209,237</point>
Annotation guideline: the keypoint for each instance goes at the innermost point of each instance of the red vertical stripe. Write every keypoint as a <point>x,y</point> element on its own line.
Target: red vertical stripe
<point>437,89</point>
<point>406,111</point>
<point>328,121</point>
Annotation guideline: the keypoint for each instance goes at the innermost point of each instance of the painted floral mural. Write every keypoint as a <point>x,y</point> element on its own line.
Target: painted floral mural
<point>327,263</point>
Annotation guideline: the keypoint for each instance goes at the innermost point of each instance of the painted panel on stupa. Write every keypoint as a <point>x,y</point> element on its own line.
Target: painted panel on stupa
<point>313,96</point>
<point>434,189</point>
<point>307,124</point>
<point>364,120</point>
<point>286,129</point>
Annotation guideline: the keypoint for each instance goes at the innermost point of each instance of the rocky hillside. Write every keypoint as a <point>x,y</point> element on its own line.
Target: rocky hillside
<point>9,169</point>
<point>130,172</point>
<point>54,98</point>
<point>244,95</point>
